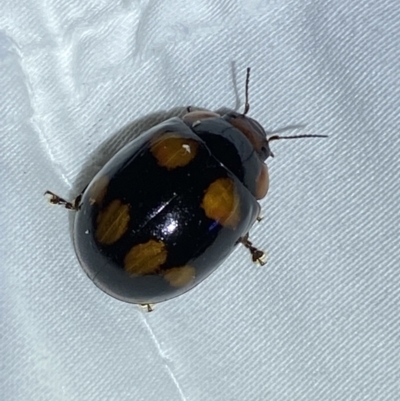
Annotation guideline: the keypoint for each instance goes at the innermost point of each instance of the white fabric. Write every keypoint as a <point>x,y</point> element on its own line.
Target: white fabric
<point>321,320</point>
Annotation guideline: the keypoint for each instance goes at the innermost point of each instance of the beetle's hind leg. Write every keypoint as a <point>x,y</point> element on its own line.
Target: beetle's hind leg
<point>256,254</point>
<point>57,200</point>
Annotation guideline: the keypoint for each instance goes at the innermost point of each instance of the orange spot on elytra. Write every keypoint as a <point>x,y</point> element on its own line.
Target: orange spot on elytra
<point>221,202</point>
<point>180,276</point>
<point>172,150</point>
<point>145,258</point>
<point>112,222</point>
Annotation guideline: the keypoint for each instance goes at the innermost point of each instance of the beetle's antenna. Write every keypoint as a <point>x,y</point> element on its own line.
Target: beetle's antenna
<point>247,104</point>
<point>276,137</point>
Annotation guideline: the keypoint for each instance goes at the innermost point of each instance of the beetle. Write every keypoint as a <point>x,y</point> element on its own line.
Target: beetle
<point>171,205</point>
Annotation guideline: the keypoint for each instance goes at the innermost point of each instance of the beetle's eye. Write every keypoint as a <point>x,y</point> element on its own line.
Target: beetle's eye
<point>265,152</point>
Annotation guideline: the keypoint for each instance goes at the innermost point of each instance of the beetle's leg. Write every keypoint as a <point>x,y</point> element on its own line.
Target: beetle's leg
<point>147,307</point>
<point>256,254</point>
<point>259,218</point>
<point>57,200</point>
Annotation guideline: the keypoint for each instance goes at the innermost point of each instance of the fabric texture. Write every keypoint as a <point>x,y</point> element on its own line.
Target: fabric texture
<point>320,321</point>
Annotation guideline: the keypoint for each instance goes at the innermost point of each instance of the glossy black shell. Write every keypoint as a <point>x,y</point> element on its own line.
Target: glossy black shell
<point>140,201</point>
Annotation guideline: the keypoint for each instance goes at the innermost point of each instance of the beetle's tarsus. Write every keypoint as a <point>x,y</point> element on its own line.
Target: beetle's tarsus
<point>256,254</point>
<point>57,200</point>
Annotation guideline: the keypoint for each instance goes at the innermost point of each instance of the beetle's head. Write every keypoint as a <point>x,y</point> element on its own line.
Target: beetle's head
<point>254,132</point>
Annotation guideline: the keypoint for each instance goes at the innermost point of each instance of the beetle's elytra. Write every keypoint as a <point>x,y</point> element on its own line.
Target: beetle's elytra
<point>170,206</point>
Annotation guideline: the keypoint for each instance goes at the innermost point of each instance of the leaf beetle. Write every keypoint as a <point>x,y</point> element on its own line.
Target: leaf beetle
<point>171,205</point>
